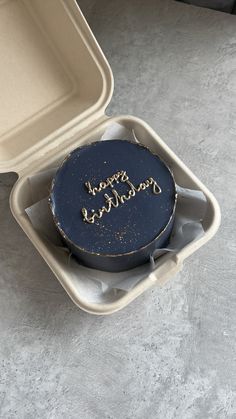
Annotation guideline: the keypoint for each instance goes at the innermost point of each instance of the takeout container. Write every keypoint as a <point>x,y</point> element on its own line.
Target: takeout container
<point>55,85</point>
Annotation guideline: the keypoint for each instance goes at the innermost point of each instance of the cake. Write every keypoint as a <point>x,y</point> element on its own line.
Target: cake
<point>113,203</point>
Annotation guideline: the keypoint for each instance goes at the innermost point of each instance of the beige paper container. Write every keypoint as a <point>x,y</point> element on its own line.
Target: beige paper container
<point>55,85</point>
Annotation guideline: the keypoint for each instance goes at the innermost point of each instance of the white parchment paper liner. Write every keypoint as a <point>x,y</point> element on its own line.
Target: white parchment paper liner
<point>98,285</point>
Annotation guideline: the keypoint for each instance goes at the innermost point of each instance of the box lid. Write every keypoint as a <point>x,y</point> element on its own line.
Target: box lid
<point>53,77</point>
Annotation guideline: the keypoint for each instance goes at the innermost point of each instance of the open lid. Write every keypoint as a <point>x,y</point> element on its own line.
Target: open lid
<point>53,76</point>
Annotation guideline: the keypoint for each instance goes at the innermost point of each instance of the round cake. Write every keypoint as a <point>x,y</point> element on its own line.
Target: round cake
<point>113,203</point>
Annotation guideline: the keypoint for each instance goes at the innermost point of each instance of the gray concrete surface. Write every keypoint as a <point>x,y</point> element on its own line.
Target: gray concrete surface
<point>171,353</point>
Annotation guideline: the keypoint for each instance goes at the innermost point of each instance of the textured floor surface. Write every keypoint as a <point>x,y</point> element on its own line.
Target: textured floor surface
<point>172,352</point>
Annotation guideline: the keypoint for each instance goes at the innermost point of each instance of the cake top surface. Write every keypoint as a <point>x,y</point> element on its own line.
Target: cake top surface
<point>112,197</point>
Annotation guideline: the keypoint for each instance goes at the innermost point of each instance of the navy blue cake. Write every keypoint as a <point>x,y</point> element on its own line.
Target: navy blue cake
<point>113,203</point>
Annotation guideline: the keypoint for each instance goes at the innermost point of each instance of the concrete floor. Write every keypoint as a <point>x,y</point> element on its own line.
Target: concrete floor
<point>171,353</point>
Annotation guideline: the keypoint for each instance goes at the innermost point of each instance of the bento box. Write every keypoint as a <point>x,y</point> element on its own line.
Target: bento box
<point>55,87</point>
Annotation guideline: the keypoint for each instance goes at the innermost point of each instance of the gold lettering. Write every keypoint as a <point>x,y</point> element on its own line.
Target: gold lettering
<point>115,200</point>
<point>124,176</point>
